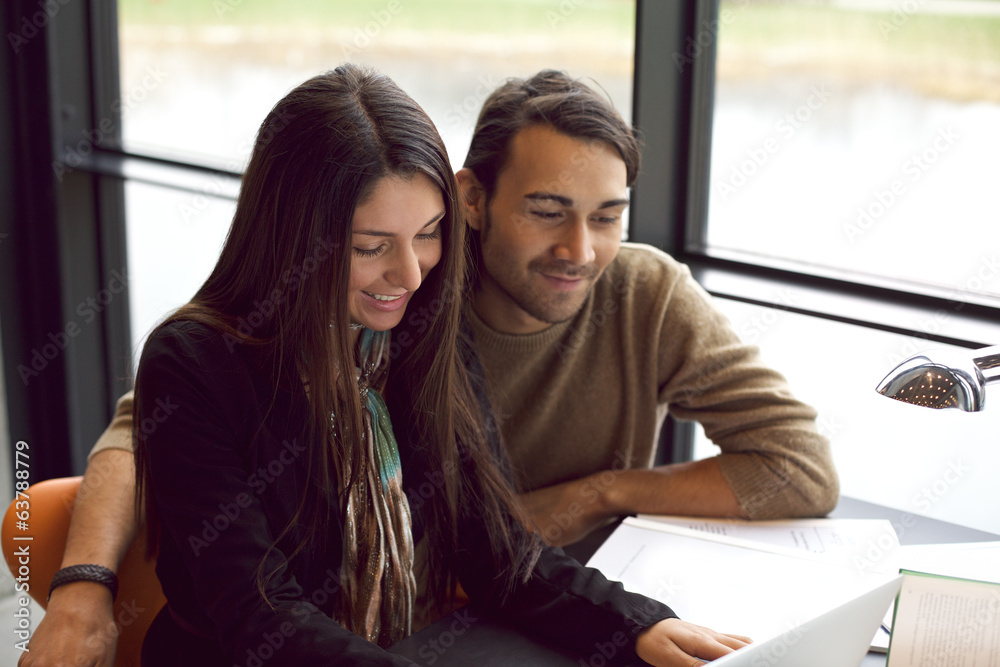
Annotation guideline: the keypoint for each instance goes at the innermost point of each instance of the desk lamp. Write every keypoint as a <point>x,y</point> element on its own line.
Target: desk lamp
<point>944,378</point>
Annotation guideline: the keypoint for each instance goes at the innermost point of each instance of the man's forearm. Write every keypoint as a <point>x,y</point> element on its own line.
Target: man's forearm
<point>79,626</point>
<point>564,513</point>
<point>103,524</point>
<point>694,488</point>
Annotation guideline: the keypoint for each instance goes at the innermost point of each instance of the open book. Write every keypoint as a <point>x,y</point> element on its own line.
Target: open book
<point>942,620</point>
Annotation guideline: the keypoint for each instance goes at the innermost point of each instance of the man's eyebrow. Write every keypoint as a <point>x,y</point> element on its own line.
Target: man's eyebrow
<point>548,196</point>
<point>614,202</point>
<point>566,201</point>
<point>375,232</point>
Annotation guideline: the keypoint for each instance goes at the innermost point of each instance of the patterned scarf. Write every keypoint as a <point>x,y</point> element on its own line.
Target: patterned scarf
<point>377,570</point>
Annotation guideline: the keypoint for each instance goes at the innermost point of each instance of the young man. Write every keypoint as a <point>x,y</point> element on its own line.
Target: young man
<point>586,344</point>
<point>589,342</point>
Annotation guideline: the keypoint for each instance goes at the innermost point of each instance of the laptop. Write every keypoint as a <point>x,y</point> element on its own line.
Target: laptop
<point>837,638</point>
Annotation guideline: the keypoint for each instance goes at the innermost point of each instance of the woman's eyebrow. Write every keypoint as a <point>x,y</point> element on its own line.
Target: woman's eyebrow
<point>375,232</point>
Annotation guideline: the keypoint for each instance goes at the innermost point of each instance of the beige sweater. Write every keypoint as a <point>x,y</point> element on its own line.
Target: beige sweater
<point>590,394</point>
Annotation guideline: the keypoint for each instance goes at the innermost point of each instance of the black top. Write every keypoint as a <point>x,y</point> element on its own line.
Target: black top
<point>226,476</point>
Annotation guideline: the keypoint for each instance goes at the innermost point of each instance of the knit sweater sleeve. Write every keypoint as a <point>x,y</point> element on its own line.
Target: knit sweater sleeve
<point>118,434</point>
<point>772,455</point>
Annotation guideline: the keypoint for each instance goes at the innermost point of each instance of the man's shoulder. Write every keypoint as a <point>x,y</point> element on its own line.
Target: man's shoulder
<point>642,267</point>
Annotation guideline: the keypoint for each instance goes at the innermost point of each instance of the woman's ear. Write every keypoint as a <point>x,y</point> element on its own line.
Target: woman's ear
<point>473,197</point>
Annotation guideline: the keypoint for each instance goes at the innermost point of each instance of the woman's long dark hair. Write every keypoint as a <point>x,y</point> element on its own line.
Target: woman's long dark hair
<point>318,154</point>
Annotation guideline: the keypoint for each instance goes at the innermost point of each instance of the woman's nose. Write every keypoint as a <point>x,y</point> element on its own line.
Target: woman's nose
<point>405,270</point>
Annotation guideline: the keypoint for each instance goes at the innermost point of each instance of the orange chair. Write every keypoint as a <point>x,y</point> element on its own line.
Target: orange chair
<point>50,505</point>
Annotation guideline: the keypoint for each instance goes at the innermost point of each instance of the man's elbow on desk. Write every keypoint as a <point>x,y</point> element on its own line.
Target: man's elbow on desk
<point>782,488</point>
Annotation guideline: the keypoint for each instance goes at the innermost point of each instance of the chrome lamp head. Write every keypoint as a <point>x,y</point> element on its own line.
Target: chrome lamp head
<point>944,378</point>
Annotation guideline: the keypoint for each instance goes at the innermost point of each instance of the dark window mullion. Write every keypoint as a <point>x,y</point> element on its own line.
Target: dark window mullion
<point>941,321</point>
<point>663,93</point>
<point>30,301</point>
<point>83,74</point>
<point>700,57</point>
<point>110,193</point>
<point>661,113</point>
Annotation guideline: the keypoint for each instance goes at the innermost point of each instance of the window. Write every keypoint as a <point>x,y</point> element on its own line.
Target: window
<point>174,238</point>
<point>851,223</point>
<point>198,79</point>
<point>214,70</point>
<point>859,140</point>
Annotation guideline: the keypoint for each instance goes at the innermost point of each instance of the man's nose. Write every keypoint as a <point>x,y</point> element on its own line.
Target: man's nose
<point>576,244</point>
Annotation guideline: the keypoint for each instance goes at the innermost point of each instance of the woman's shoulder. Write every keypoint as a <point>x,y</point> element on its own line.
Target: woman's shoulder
<point>192,364</point>
<point>187,336</point>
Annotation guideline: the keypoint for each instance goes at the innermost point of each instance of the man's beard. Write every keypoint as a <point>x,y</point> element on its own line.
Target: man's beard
<point>544,305</point>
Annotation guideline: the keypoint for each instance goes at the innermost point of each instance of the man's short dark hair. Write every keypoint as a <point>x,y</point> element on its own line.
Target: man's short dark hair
<point>548,98</point>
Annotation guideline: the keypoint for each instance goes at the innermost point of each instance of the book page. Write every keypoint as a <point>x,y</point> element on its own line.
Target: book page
<point>967,560</point>
<point>726,587</point>
<point>945,622</point>
<point>867,544</point>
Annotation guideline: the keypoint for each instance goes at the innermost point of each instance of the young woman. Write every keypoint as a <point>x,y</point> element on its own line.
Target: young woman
<point>265,452</point>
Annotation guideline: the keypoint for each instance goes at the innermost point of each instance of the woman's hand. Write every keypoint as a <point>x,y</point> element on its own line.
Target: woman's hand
<point>676,643</point>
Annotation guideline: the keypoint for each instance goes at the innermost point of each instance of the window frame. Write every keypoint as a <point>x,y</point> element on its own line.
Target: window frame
<point>674,97</point>
<point>62,360</point>
<point>678,191</point>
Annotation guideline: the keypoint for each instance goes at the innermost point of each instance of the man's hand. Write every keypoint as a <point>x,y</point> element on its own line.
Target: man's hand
<point>677,643</point>
<point>565,513</point>
<point>78,629</point>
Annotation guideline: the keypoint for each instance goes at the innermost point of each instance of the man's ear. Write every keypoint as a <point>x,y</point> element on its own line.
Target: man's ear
<point>473,197</point>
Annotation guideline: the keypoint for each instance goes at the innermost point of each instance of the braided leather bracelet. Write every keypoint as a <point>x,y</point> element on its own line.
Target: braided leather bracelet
<point>96,573</point>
